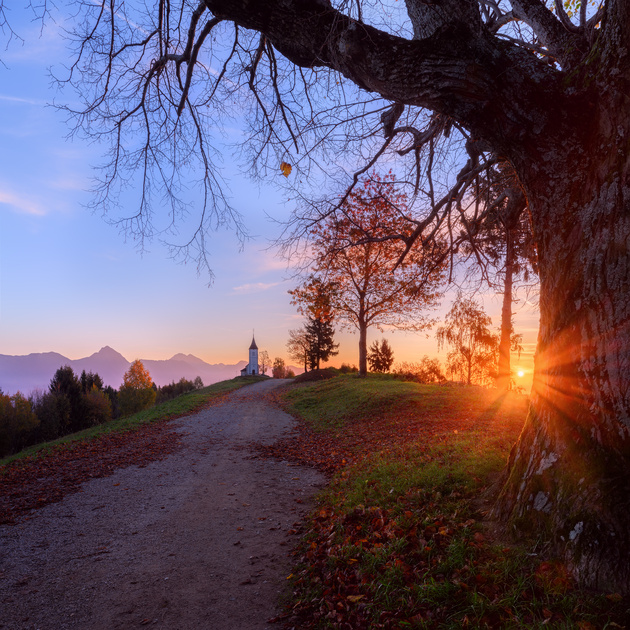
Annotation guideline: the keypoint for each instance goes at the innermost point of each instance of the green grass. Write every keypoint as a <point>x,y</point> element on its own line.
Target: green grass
<point>187,403</point>
<point>401,539</point>
<point>332,403</point>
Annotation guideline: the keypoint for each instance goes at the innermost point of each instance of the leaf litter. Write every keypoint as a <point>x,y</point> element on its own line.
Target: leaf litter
<point>403,537</point>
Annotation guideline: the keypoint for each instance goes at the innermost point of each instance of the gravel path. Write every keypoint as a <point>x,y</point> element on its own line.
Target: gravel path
<point>199,540</point>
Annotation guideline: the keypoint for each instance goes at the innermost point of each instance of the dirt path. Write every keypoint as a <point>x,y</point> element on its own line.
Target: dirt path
<point>197,541</point>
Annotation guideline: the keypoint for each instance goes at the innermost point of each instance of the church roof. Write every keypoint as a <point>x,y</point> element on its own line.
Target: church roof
<point>253,346</point>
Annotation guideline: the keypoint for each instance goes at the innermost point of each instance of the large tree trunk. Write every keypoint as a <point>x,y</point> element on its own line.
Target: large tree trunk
<point>469,359</point>
<point>569,474</point>
<point>505,342</point>
<point>362,348</point>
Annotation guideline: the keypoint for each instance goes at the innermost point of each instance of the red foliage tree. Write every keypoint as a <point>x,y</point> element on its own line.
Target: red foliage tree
<point>357,254</point>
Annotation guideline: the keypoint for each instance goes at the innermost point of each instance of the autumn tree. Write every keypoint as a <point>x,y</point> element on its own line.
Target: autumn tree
<point>359,263</point>
<point>265,362</point>
<point>137,391</point>
<point>522,80</point>
<point>298,346</point>
<point>279,369</point>
<point>380,357</point>
<point>473,346</point>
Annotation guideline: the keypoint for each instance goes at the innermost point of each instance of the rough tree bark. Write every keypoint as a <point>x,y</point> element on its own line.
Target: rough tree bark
<point>569,473</point>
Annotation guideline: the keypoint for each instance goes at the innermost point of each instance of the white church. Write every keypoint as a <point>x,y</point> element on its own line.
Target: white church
<point>252,366</point>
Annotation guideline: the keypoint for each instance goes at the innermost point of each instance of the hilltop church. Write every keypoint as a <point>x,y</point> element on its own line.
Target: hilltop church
<point>252,366</point>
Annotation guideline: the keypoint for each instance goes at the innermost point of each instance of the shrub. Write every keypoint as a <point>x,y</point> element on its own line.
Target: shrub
<point>317,375</point>
<point>428,370</point>
<point>346,368</point>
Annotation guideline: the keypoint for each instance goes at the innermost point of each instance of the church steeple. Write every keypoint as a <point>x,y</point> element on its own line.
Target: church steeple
<point>252,368</point>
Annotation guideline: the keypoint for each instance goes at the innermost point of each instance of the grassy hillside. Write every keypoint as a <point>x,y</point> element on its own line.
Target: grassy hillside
<point>403,537</point>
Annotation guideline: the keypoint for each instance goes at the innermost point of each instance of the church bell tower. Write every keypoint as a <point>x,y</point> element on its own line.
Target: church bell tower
<point>252,368</point>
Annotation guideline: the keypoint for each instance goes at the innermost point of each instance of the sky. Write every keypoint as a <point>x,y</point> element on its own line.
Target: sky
<point>71,283</point>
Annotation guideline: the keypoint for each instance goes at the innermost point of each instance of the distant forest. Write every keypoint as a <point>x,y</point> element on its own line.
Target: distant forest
<point>75,402</point>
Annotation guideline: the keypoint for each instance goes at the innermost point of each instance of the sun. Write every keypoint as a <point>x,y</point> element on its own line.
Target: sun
<point>520,373</point>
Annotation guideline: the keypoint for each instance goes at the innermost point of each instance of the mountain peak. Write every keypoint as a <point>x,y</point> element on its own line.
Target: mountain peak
<point>187,358</point>
<point>106,352</point>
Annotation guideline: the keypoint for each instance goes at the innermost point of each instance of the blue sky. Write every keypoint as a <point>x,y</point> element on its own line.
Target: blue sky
<point>71,283</point>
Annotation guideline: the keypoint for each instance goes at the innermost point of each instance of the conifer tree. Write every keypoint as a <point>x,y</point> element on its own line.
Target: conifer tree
<point>380,357</point>
<point>320,333</point>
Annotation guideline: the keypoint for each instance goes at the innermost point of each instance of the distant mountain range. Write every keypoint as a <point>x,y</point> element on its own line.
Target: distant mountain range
<point>27,373</point>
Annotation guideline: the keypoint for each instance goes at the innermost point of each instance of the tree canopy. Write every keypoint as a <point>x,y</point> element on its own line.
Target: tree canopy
<point>358,266</point>
<point>473,346</point>
<point>138,391</point>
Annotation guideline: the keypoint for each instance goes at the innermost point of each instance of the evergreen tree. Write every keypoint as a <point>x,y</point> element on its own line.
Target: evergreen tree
<point>112,394</point>
<point>380,357</point>
<point>90,380</point>
<point>320,333</point>
<point>66,385</point>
